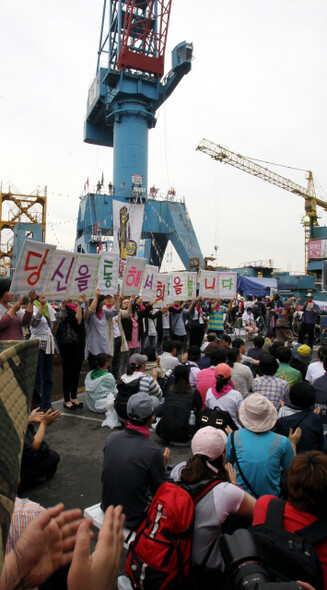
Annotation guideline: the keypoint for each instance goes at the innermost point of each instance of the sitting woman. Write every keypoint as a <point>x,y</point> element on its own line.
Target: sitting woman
<point>180,400</point>
<point>248,322</point>
<point>207,466</point>
<point>222,395</point>
<point>299,413</point>
<point>307,490</point>
<point>136,380</point>
<point>99,383</point>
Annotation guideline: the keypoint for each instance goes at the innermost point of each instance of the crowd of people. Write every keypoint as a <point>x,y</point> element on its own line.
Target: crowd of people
<point>255,420</point>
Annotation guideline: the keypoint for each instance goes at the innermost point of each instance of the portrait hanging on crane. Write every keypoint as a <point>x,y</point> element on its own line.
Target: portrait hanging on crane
<point>127,228</point>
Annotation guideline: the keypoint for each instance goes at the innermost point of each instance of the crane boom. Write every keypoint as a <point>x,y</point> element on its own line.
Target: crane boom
<point>226,156</point>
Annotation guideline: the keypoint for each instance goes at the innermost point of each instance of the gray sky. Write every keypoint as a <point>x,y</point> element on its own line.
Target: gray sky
<point>257,86</point>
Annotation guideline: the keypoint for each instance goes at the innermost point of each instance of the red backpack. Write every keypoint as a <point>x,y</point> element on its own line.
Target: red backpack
<point>159,557</point>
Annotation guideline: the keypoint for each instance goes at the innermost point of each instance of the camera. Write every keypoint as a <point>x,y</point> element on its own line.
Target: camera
<point>245,564</point>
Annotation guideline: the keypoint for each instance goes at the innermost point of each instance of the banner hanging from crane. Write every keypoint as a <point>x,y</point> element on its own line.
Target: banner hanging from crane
<point>127,228</point>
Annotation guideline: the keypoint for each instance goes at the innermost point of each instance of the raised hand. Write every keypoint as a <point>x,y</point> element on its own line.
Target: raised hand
<point>100,570</point>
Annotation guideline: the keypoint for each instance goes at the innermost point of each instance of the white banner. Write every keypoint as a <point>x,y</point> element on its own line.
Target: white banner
<point>227,285</point>
<point>162,290</point>
<point>133,275</point>
<point>108,273</point>
<point>32,267</point>
<point>60,273</point>
<point>209,284</point>
<point>178,286</point>
<point>191,285</point>
<point>127,228</point>
<point>85,276</point>
<point>149,285</point>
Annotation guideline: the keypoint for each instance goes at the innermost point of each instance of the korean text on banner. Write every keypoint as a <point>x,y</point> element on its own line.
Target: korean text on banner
<point>191,285</point>
<point>60,273</point>
<point>108,272</point>
<point>32,267</point>
<point>85,275</point>
<point>209,284</point>
<point>127,228</point>
<point>149,283</point>
<point>227,285</point>
<point>162,290</point>
<point>178,285</point>
<point>133,275</point>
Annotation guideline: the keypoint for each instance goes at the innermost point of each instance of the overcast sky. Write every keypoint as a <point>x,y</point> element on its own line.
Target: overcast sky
<point>257,86</point>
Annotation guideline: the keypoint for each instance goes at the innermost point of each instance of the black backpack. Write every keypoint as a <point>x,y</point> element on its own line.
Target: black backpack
<point>125,391</point>
<point>290,556</point>
<point>174,423</point>
<point>217,418</point>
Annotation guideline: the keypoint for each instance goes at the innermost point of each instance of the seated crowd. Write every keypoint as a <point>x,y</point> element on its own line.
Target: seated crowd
<point>256,425</point>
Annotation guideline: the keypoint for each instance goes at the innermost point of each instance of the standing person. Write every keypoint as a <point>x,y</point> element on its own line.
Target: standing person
<point>163,329</point>
<point>284,313</point>
<point>308,320</point>
<point>196,323</point>
<point>41,328</point>
<point>131,330</point>
<point>216,317</point>
<point>117,337</point>
<point>12,317</point>
<point>141,313</point>
<point>70,337</point>
<point>177,315</point>
<point>97,335</point>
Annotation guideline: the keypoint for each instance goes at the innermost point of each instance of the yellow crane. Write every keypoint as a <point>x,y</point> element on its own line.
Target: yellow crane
<point>221,154</point>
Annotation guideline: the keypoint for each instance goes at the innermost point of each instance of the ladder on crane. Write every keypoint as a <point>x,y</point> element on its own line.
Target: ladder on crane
<point>226,156</point>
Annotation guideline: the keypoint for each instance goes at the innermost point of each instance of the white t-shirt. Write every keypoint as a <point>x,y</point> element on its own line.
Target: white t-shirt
<point>165,320</point>
<point>230,402</point>
<point>314,371</point>
<point>247,317</point>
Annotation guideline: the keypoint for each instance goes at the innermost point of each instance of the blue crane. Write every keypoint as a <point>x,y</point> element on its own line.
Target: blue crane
<point>121,108</point>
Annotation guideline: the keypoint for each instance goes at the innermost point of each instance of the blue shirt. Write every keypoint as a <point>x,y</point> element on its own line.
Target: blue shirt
<point>261,457</point>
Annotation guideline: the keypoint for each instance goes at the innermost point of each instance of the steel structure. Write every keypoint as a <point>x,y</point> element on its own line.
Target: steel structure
<point>23,212</point>
<point>226,156</point>
<point>122,103</point>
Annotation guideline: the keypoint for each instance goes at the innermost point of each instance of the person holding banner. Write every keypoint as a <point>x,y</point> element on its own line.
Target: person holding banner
<point>177,315</point>
<point>41,328</point>
<point>97,335</point>
<point>12,317</point>
<point>70,337</point>
<point>197,323</point>
<point>216,318</point>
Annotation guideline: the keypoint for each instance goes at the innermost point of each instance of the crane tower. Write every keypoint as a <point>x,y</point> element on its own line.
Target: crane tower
<point>121,108</point>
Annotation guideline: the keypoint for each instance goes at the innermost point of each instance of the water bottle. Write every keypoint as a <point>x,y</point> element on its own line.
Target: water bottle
<point>191,423</point>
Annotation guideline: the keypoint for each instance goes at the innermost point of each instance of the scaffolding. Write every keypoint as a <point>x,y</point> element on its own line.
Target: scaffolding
<point>16,207</point>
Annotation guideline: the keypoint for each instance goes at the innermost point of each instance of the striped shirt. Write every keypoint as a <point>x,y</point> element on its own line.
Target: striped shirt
<point>216,319</point>
<point>147,383</point>
<point>24,512</point>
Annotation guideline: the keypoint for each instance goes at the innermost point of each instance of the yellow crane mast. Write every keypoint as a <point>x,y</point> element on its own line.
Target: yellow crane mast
<point>226,156</point>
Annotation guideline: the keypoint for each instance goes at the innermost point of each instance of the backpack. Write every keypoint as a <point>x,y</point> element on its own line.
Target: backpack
<point>160,555</point>
<point>290,556</point>
<point>175,416</point>
<point>125,391</point>
<point>217,418</point>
